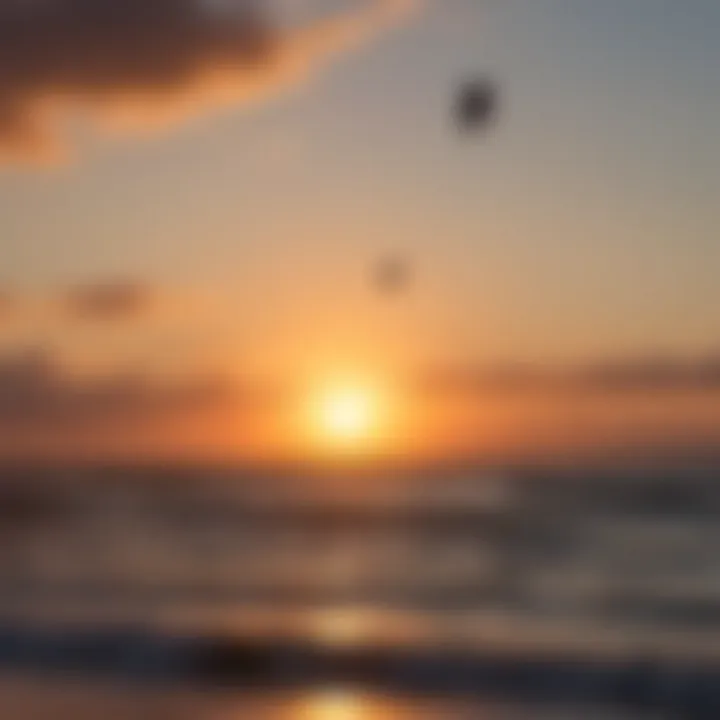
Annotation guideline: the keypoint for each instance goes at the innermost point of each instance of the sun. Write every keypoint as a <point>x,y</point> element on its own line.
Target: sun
<point>347,414</point>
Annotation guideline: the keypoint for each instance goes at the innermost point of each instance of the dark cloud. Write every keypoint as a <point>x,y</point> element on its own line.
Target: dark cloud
<point>620,376</point>
<point>141,62</point>
<point>37,393</point>
<point>110,301</point>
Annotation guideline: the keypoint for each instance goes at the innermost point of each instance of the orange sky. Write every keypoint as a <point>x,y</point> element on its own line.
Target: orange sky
<point>199,265</point>
<point>52,415</point>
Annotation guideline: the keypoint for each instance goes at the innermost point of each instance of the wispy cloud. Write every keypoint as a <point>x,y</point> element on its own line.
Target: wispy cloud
<point>37,392</point>
<point>52,410</point>
<point>6,304</point>
<point>134,64</point>
<point>109,301</point>
<point>631,375</point>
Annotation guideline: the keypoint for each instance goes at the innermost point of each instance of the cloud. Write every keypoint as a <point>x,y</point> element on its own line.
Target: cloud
<point>652,374</point>
<point>7,302</point>
<point>52,412</point>
<point>37,393</point>
<point>134,64</point>
<point>604,377</point>
<point>109,301</point>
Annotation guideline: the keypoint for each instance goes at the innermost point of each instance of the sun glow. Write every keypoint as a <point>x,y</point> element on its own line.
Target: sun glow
<point>335,705</point>
<point>347,415</point>
<point>340,628</point>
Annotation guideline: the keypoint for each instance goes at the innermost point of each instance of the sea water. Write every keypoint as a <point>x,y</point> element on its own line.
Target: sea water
<point>448,570</point>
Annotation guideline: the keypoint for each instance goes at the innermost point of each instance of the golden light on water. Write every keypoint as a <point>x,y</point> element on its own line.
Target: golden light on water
<point>334,705</point>
<point>343,704</point>
<point>340,628</point>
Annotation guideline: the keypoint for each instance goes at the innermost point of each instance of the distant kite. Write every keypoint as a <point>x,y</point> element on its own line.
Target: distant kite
<point>476,105</point>
<point>391,275</point>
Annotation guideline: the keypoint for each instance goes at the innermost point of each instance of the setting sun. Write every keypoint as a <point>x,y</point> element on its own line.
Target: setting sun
<point>347,415</point>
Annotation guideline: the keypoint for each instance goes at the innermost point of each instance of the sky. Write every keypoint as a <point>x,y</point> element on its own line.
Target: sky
<point>212,204</point>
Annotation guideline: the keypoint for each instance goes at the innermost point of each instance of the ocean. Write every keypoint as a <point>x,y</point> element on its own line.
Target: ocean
<point>472,593</point>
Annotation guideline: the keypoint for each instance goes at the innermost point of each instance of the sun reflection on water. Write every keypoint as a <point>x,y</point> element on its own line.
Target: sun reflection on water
<point>343,704</point>
<point>333,705</point>
<point>341,628</point>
